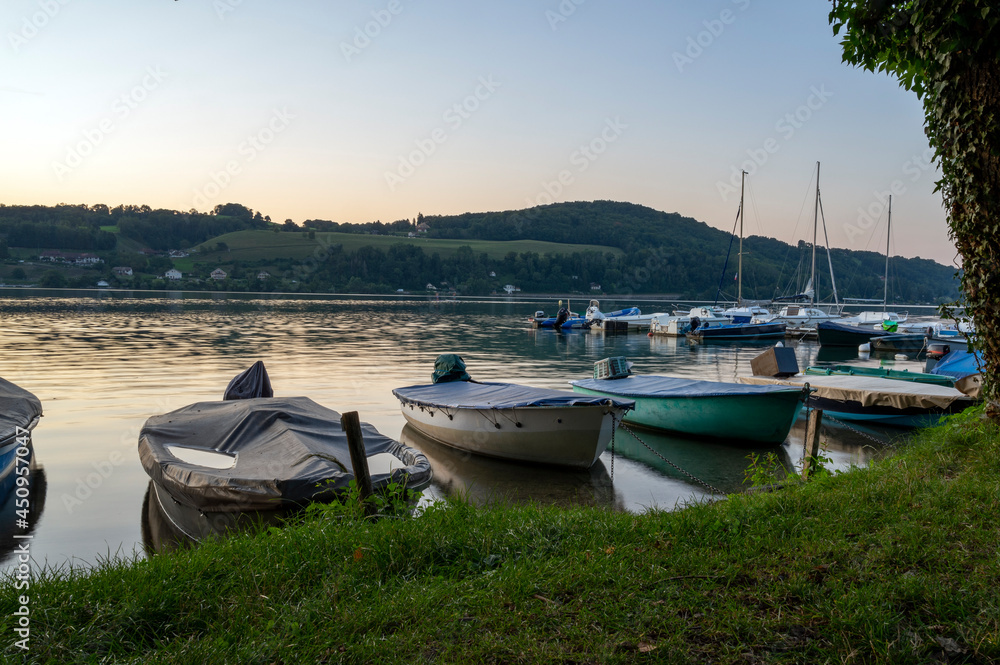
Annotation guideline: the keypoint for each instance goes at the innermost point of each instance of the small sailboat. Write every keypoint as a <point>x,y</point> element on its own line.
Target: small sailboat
<point>745,332</point>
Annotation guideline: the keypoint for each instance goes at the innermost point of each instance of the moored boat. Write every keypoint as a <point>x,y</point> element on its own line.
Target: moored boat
<point>738,332</point>
<point>906,342</point>
<point>510,421</point>
<point>875,399</point>
<point>838,333</point>
<point>714,409</point>
<point>19,413</point>
<point>880,372</point>
<point>263,453</point>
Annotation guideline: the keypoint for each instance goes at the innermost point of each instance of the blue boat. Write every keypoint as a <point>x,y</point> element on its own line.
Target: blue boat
<point>738,332</point>
<point>19,413</point>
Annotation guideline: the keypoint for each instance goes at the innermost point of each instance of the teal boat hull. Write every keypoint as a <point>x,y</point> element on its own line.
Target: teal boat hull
<point>763,419</point>
<point>883,373</point>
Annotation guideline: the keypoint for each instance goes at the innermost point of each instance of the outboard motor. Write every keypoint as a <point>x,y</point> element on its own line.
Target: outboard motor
<point>561,318</point>
<point>695,322</point>
<point>249,384</point>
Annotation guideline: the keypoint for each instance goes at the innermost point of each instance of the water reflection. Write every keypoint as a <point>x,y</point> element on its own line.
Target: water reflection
<point>21,515</point>
<point>484,480</point>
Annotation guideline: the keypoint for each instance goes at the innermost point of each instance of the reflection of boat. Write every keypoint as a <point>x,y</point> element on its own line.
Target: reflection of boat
<point>19,413</point>
<point>260,453</point>
<point>721,464</point>
<point>510,421</point>
<point>756,414</point>
<point>882,372</point>
<point>168,524</point>
<point>901,342</point>
<point>12,531</point>
<point>835,354</point>
<point>877,400</point>
<point>484,480</point>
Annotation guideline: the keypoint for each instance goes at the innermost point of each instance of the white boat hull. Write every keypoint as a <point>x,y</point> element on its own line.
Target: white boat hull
<point>572,436</point>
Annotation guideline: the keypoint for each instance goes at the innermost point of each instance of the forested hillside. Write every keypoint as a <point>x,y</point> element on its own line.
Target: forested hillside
<point>648,252</point>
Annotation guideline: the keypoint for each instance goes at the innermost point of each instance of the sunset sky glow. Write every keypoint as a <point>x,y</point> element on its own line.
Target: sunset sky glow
<point>381,109</point>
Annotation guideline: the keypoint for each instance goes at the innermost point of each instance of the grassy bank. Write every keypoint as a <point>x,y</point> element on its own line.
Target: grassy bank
<point>893,564</point>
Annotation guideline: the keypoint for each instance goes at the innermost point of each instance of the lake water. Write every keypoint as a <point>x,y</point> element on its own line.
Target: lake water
<point>102,363</point>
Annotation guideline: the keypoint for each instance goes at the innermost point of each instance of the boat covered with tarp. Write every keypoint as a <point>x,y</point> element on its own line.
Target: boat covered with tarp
<point>20,411</point>
<point>261,453</point>
<point>508,420</point>
<point>715,409</point>
<point>881,372</point>
<point>875,399</point>
<point>838,333</point>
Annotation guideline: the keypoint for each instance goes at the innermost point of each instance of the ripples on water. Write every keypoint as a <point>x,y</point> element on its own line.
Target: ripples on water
<point>101,365</point>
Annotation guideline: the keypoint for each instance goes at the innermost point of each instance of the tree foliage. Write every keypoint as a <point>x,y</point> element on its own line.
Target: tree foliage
<point>948,53</point>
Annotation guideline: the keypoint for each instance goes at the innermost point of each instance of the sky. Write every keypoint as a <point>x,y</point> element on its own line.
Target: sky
<point>383,109</point>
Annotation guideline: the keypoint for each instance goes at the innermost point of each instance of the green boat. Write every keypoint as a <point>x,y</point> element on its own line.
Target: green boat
<point>732,412</point>
<point>882,373</point>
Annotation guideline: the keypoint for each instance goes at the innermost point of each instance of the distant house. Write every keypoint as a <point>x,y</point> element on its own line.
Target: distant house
<point>431,287</point>
<point>102,284</point>
<point>122,271</point>
<point>263,274</point>
<point>493,273</point>
<point>177,254</point>
<point>594,286</point>
<point>173,273</point>
<point>218,273</point>
<point>422,227</point>
<point>70,257</point>
<point>510,289</point>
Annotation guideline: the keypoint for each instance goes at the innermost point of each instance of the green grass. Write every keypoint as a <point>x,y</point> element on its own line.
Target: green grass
<point>110,229</point>
<point>258,245</point>
<point>896,563</point>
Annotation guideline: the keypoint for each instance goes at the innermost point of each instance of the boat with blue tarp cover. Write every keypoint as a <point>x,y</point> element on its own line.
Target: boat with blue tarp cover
<point>835,333</point>
<point>959,364</point>
<point>704,408</point>
<point>508,420</point>
<point>19,413</point>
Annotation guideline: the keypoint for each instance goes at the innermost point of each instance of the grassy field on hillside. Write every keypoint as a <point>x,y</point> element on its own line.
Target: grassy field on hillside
<point>258,245</point>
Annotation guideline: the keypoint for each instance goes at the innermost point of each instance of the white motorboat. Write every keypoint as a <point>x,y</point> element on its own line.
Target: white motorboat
<point>511,421</point>
<point>798,316</point>
<point>633,316</point>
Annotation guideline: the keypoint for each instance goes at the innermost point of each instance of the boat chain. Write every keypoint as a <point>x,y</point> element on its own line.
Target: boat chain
<point>866,435</point>
<point>636,436</point>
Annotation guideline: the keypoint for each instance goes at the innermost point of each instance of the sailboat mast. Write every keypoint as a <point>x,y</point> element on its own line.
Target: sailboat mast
<point>888,231</point>
<point>739,273</point>
<point>812,274</point>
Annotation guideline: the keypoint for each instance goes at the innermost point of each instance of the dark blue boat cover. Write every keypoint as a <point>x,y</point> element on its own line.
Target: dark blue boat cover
<point>474,395</point>
<point>18,408</point>
<point>867,329</point>
<point>668,386</point>
<point>958,364</point>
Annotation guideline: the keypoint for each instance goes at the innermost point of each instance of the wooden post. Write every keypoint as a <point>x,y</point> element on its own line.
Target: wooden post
<point>359,460</point>
<point>812,441</point>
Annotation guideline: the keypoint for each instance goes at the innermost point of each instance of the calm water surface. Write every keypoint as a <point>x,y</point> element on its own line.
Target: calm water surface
<point>102,364</point>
